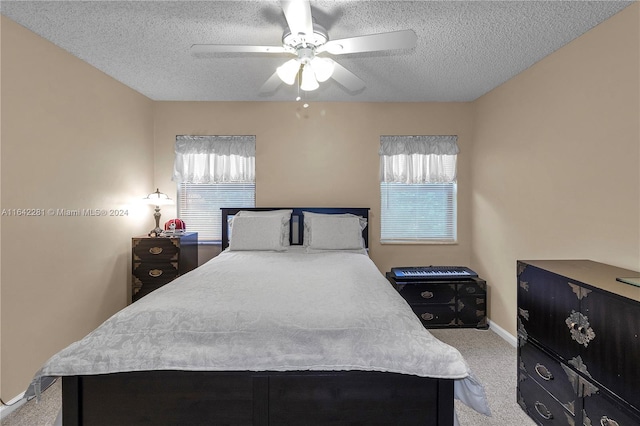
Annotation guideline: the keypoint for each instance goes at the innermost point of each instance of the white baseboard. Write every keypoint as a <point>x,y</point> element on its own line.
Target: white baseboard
<point>512,340</point>
<point>12,405</point>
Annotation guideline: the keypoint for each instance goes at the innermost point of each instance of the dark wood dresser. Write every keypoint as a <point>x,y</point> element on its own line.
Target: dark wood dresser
<point>158,260</point>
<point>578,343</point>
<point>446,303</point>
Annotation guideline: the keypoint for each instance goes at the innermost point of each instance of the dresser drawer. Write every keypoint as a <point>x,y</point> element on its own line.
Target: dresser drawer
<point>155,249</point>
<point>541,406</point>
<point>155,274</point>
<point>545,302</point>
<point>612,357</point>
<point>604,409</point>
<point>556,378</point>
<point>472,311</point>
<point>436,315</point>
<point>472,288</point>
<point>428,293</point>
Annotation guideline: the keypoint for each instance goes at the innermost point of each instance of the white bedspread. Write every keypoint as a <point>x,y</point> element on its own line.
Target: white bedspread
<point>267,311</point>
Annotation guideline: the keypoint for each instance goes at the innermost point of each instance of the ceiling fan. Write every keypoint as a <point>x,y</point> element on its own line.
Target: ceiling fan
<point>306,40</point>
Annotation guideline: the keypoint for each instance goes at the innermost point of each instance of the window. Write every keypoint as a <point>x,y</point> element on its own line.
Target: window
<point>418,212</point>
<point>213,172</point>
<point>418,189</point>
<point>199,205</point>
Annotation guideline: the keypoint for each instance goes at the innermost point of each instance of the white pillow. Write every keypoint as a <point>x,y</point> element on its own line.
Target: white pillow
<point>257,233</point>
<point>308,231</point>
<point>333,232</point>
<point>284,214</point>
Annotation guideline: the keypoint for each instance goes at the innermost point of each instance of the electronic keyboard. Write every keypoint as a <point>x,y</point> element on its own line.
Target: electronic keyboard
<point>432,273</point>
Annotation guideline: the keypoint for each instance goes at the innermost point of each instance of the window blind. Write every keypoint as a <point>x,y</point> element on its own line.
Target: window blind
<point>199,205</point>
<point>418,212</point>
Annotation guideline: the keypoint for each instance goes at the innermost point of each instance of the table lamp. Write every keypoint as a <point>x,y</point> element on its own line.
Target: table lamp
<point>157,199</point>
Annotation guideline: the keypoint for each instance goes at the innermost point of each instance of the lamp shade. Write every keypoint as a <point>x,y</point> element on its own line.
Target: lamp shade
<point>288,71</point>
<point>323,68</point>
<point>158,199</point>
<point>309,81</point>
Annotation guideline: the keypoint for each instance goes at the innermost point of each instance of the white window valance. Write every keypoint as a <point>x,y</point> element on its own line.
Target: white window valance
<point>418,159</point>
<point>214,159</point>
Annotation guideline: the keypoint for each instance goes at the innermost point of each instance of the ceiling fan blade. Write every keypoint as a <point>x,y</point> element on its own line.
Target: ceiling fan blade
<point>298,15</point>
<point>346,78</point>
<point>205,49</point>
<point>271,85</point>
<point>404,39</point>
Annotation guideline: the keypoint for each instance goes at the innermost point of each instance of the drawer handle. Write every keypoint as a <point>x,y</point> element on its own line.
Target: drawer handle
<point>543,372</point>
<point>579,328</point>
<point>155,273</point>
<point>471,290</point>
<point>155,250</point>
<point>427,316</point>
<point>606,421</point>
<point>426,295</point>
<point>543,411</point>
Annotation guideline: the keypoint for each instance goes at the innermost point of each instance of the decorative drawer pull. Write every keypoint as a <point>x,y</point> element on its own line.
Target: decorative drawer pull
<point>579,328</point>
<point>543,372</point>
<point>606,421</point>
<point>426,295</point>
<point>543,411</point>
<point>155,250</point>
<point>155,272</point>
<point>471,290</point>
<point>427,316</point>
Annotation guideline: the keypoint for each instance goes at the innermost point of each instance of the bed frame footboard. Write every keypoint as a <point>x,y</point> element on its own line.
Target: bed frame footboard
<point>256,398</point>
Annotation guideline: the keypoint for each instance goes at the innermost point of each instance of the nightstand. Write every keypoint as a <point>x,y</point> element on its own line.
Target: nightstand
<point>446,303</point>
<point>156,261</point>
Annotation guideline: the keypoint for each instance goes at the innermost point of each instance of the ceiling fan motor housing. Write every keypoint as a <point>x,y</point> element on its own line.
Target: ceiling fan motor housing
<point>301,40</point>
<point>305,54</point>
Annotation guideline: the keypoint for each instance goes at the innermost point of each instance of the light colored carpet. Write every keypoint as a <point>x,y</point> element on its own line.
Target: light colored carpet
<point>492,360</point>
<point>41,413</point>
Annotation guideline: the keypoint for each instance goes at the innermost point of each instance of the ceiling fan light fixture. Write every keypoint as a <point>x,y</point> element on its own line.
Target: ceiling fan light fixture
<point>309,81</point>
<point>288,71</point>
<point>323,68</point>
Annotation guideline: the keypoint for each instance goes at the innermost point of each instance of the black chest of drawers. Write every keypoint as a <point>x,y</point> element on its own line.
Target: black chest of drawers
<point>446,303</point>
<point>578,343</point>
<point>157,261</point>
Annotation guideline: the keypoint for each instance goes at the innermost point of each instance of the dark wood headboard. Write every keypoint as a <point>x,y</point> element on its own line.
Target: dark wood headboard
<point>296,234</point>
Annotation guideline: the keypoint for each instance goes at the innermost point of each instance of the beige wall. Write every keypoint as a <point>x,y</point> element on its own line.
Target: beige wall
<point>555,162</point>
<point>325,156</point>
<point>72,138</point>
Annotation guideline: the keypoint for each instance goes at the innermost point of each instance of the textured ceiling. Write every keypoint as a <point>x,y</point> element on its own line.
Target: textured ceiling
<point>464,49</point>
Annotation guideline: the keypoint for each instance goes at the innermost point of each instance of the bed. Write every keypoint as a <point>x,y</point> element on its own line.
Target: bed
<point>287,326</point>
